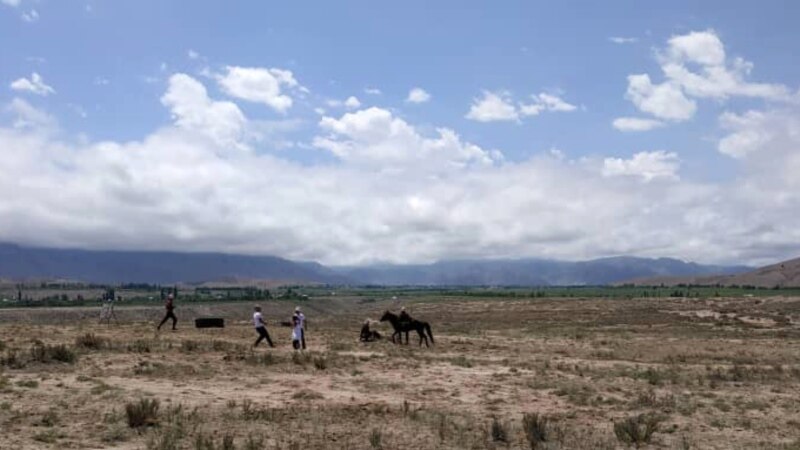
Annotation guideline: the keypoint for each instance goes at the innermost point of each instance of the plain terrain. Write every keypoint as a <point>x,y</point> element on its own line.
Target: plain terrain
<point>707,373</point>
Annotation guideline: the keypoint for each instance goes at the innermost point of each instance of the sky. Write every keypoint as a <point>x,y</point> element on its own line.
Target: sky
<point>362,132</point>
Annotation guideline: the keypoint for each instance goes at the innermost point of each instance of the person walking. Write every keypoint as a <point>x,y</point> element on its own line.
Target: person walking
<point>169,305</point>
<point>261,327</point>
<point>302,319</point>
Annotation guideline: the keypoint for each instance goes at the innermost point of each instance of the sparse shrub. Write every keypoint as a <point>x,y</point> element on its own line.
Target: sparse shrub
<point>12,360</point>
<point>39,353</point>
<point>50,418</point>
<point>461,361</point>
<point>253,443</point>
<point>90,341</point>
<point>203,442</point>
<point>48,437</point>
<point>189,346</point>
<point>114,434</point>
<point>320,362</point>
<point>498,431</point>
<point>220,346</point>
<point>62,353</point>
<point>301,359</point>
<point>376,439</point>
<point>168,439</point>
<point>32,384</point>
<point>143,413</point>
<point>306,394</point>
<point>139,346</point>
<point>637,430</point>
<point>227,443</point>
<point>261,359</point>
<point>47,353</point>
<point>2,345</point>
<point>536,429</point>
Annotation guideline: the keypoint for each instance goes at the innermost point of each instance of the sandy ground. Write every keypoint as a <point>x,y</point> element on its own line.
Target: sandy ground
<point>713,373</point>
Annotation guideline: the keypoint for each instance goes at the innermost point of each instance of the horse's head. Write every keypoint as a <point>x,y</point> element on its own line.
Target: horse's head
<point>386,316</point>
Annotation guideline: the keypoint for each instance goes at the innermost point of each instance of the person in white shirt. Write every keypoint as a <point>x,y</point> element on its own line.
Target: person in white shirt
<point>261,327</point>
<point>297,332</point>
<point>298,313</point>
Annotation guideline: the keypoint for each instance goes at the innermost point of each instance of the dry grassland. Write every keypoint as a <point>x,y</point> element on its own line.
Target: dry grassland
<point>539,373</point>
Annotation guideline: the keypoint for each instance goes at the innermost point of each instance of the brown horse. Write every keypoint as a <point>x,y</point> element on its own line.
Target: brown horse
<point>401,326</point>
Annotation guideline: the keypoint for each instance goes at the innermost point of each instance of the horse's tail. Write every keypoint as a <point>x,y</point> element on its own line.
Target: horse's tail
<point>428,330</point>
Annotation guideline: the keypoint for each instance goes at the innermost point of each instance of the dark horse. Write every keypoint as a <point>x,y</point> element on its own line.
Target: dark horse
<point>405,326</point>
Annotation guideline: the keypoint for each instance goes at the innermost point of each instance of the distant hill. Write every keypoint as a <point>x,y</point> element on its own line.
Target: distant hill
<point>785,274</point>
<point>530,272</point>
<point>17,262</point>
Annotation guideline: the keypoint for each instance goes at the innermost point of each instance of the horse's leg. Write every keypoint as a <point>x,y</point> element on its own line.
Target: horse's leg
<point>423,336</point>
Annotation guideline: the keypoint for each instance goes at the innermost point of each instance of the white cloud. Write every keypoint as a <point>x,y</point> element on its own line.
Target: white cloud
<point>375,137</point>
<point>26,116</point>
<point>259,85</point>
<point>372,91</point>
<point>665,101</point>
<point>696,66</point>
<point>766,138</point>
<point>35,85</point>
<point>623,40</point>
<point>394,192</point>
<point>492,107</point>
<point>636,124</point>
<point>193,110</point>
<point>500,107</point>
<point>418,95</point>
<point>352,103</point>
<point>101,81</point>
<point>191,54</point>
<point>30,16</point>
<point>646,165</point>
<point>12,3</point>
<point>545,102</point>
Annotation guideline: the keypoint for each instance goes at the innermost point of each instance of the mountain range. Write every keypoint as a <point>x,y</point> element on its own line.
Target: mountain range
<point>19,262</point>
<point>783,274</point>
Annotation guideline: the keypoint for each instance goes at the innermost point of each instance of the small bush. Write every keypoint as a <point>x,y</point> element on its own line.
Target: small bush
<point>50,418</point>
<point>536,429</point>
<point>637,430</point>
<point>168,439</point>
<point>90,341</point>
<point>498,431</point>
<point>115,434</point>
<point>32,384</point>
<point>203,442</point>
<point>253,443</point>
<point>12,360</point>
<point>320,362</point>
<point>227,443</point>
<point>143,413</point>
<point>190,346</point>
<point>139,346</point>
<point>62,353</point>
<point>48,353</point>
<point>461,361</point>
<point>376,439</point>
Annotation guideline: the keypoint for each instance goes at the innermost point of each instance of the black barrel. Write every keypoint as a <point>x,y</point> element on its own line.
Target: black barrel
<point>209,322</point>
